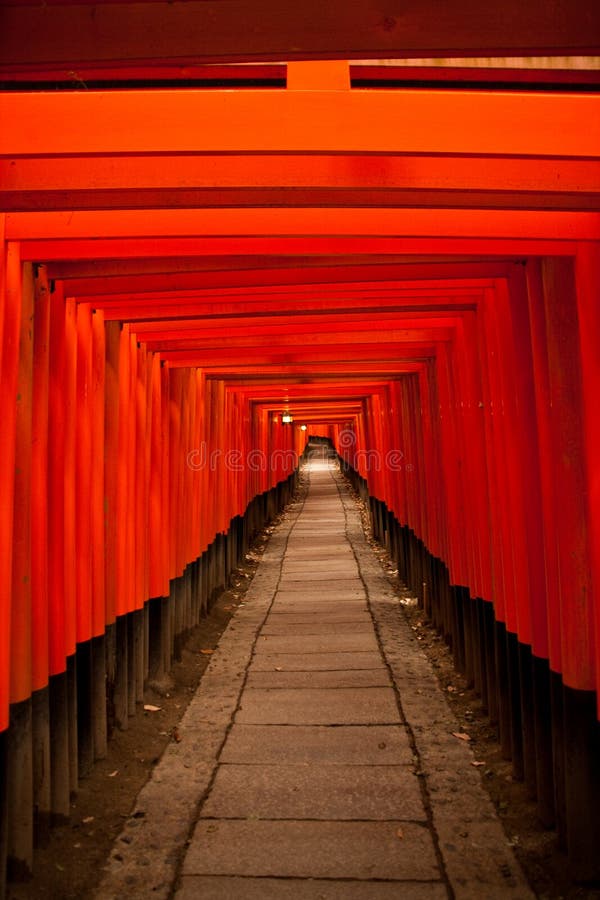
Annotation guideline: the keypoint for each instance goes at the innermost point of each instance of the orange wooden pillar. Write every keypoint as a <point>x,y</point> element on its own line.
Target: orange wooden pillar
<point>550,806</point>
<point>39,555</point>
<point>140,519</point>
<point>121,528</point>
<point>10,321</point>
<point>69,389</point>
<point>83,489</point>
<point>587,274</point>
<point>110,506</point>
<point>83,537</point>
<point>57,627</point>
<point>583,722</point>
<point>111,466</point>
<point>574,700</point>
<point>20,763</point>
<point>155,518</point>
<point>97,535</point>
<point>10,287</point>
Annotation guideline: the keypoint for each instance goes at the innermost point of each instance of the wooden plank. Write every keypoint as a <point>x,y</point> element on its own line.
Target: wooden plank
<point>62,37</point>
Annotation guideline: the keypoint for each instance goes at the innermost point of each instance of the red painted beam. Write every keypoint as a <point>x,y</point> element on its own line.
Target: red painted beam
<point>148,265</point>
<point>300,353</point>
<point>350,122</point>
<point>175,181</point>
<point>324,225</point>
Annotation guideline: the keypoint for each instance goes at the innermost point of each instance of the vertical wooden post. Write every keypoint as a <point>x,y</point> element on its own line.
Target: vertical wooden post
<point>98,696</point>
<point>131,664</point>
<point>40,715</point>
<point>527,719</point>
<point>83,538</point>
<point>10,318</point>
<point>59,748</point>
<point>514,688</point>
<point>57,633</point>
<point>139,619</point>
<point>490,655</point>
<point>69,390</point>
<point>543,742</point>
<point>85,709</point>
<point>39,557</point>
<point>582,784</point>
<point>20,763</point>
<point>504,717</point>
<point>98,537</point>
<point>10,300</point>
<point>121,673</point>
<point>72,723</point>
<point>19,777</point>
<point>3,815</point>
<point>558,757</point>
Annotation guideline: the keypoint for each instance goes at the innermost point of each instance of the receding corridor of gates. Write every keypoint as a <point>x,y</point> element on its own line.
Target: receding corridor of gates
<point>231,230</point>
<point>318,758</point>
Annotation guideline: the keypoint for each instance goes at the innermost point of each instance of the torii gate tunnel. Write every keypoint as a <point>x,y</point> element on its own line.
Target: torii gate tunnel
<point>405,263</point>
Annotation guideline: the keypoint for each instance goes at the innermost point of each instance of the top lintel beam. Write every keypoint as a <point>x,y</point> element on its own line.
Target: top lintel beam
<point>281,121</point>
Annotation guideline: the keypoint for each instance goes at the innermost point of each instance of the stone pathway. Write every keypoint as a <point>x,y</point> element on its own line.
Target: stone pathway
<point>317,758</point>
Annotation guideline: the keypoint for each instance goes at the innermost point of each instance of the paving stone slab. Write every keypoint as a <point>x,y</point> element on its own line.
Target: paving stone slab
<point>354,850</point>
<point>305,706</point>
<point>374,745</point>
<point>318,542</point>
<point>322,584</point>
<point>337,679</point>
<point>314,540</point>
<point>341,792</point>
<point>338,561</point>
<point>316,628</point>
<point>313,593</point>
<point>285,604</point>
<point>330,530</point>
<point>309,662</point>
<point>217,887</point>
<point>303,554</point>
<point>330,643</point>
<point>282,617</point>
<point>334,571</point>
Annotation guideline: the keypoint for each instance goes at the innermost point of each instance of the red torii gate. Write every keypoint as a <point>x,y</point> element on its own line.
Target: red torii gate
<point>418,269</point>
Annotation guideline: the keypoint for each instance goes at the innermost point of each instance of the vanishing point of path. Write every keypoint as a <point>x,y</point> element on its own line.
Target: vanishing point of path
<point>317,758</point>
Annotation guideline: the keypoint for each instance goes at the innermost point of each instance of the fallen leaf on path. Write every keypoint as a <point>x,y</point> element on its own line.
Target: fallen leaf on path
<point>149,708</point>
<point>476,763</point>
<point>207,652</point>
<point>278,669</point>
<point>461,735</point>
<point>87,820</point>
<point>112,774</point>
<point>400,833</point>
